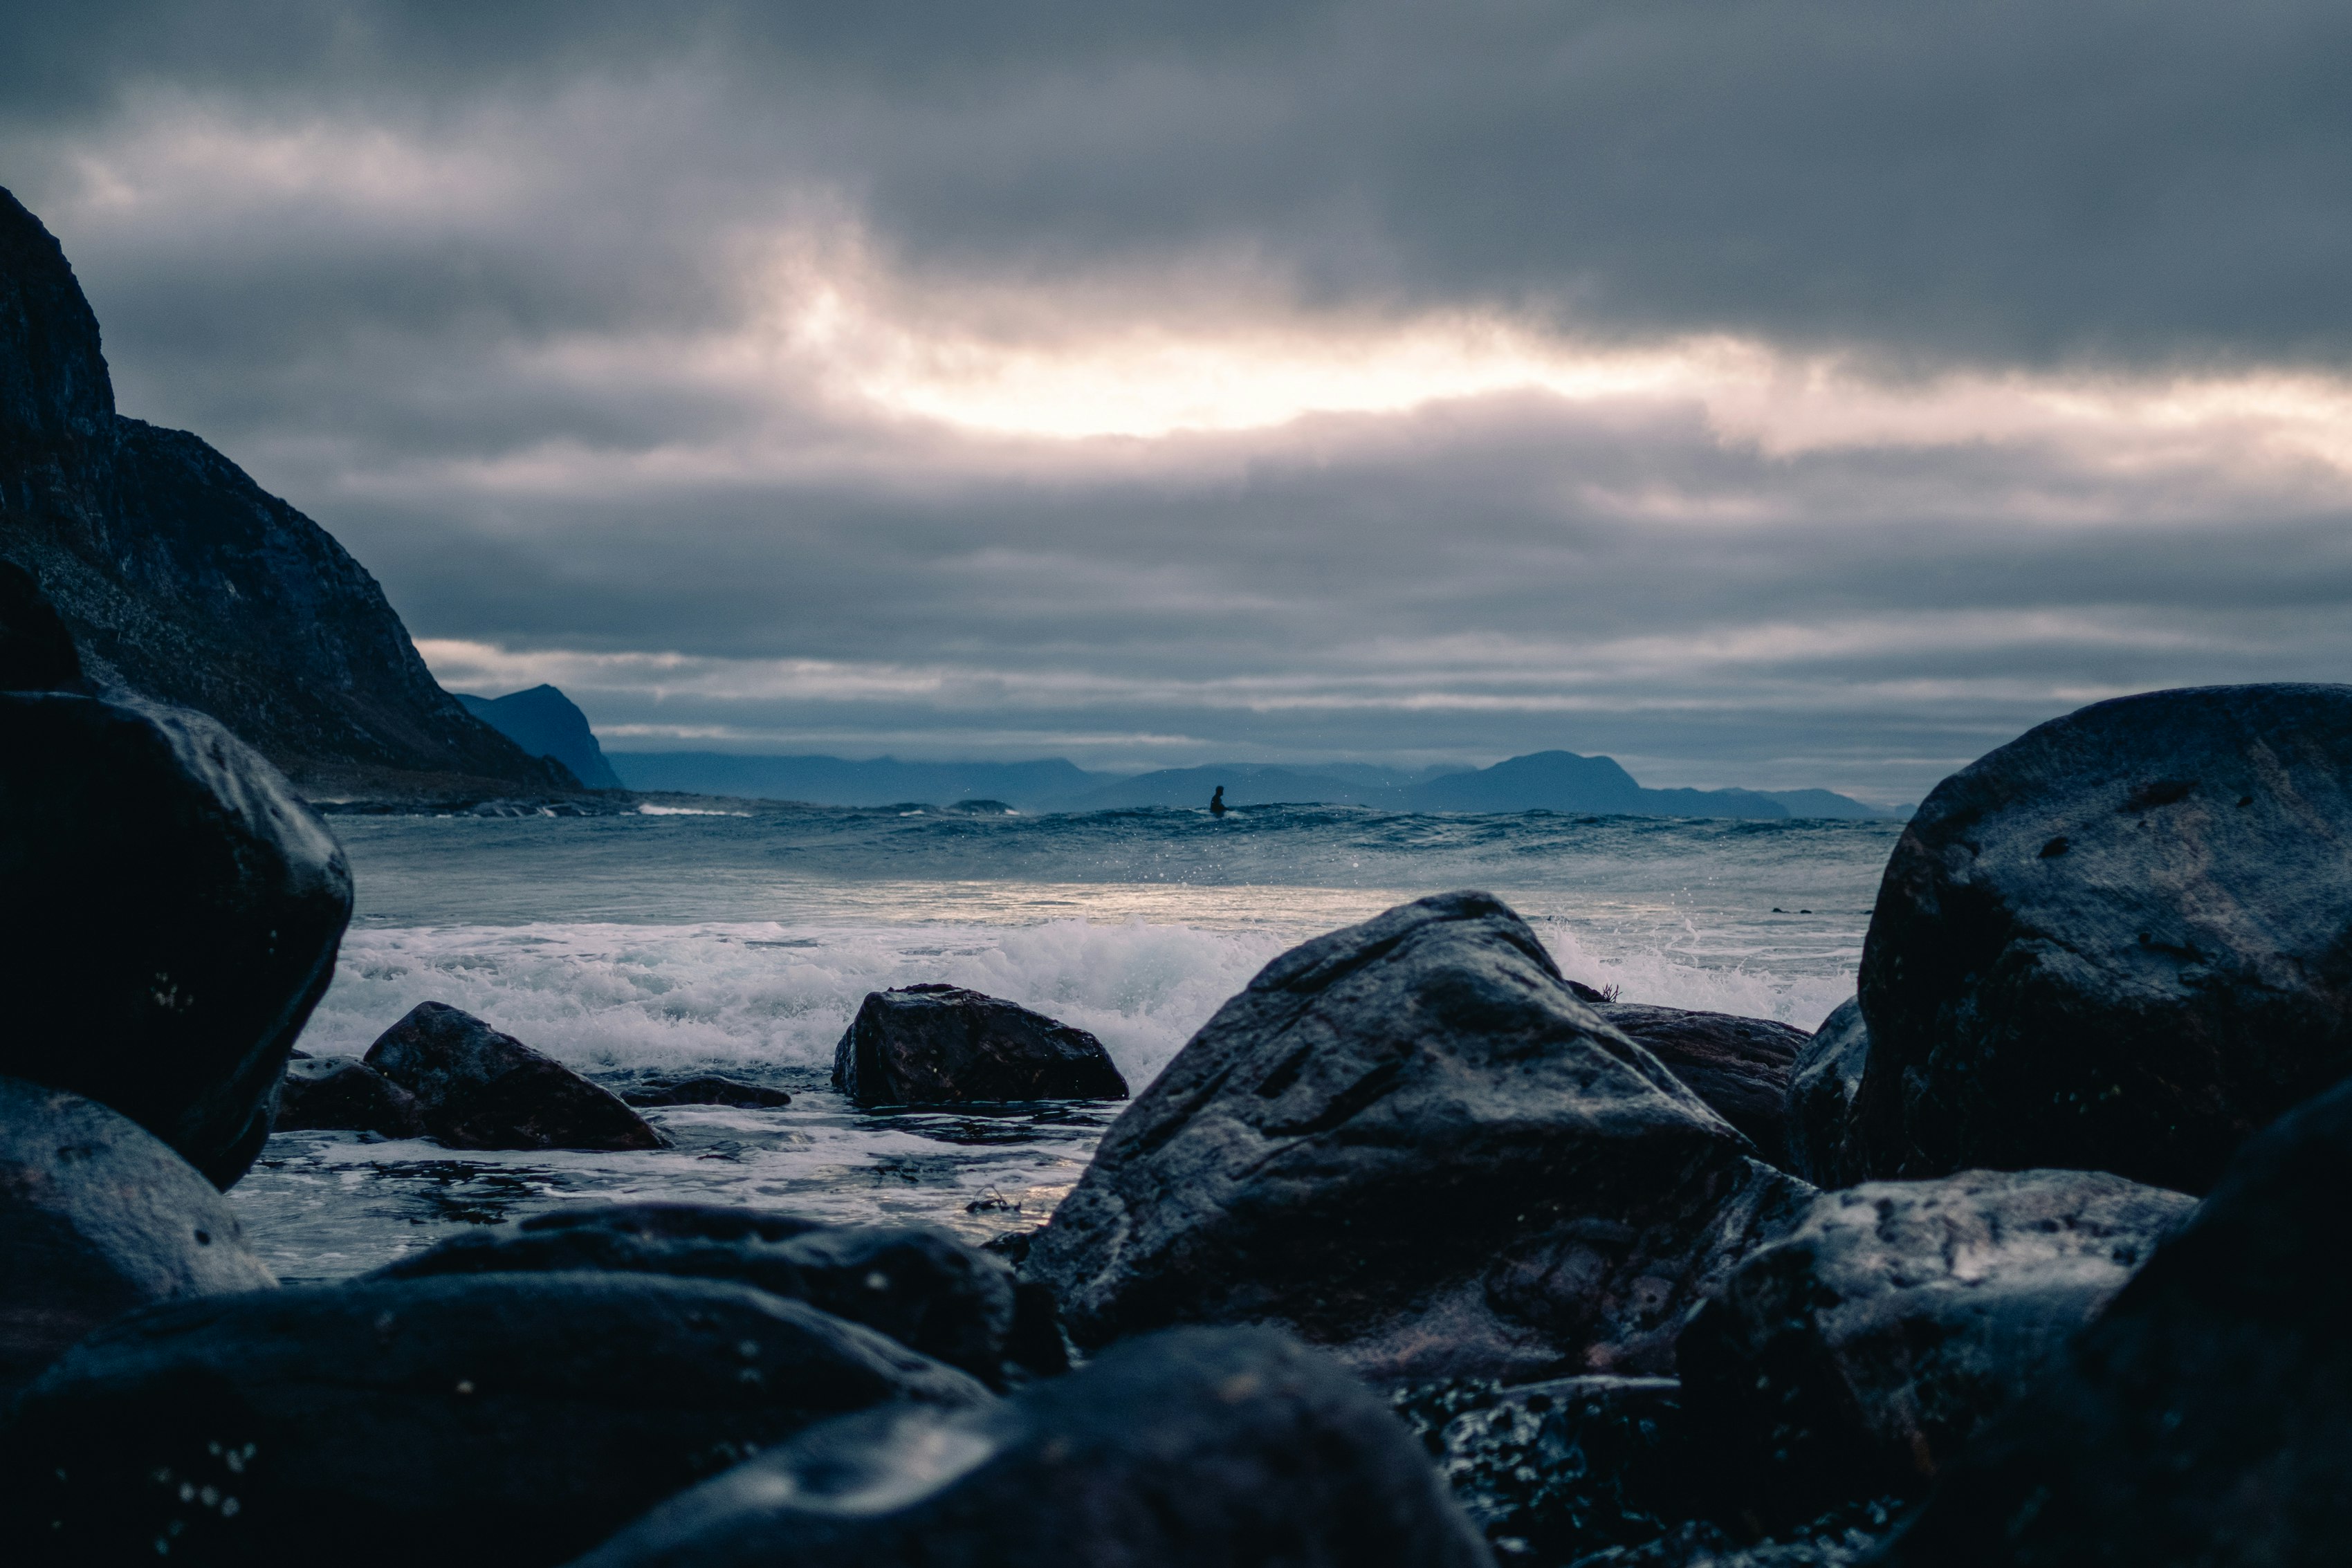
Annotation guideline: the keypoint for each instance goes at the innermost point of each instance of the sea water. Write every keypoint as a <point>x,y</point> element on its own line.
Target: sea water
<point>743,942</point>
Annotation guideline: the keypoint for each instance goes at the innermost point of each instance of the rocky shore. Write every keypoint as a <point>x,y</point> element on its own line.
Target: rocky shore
<point>1420,1251</point>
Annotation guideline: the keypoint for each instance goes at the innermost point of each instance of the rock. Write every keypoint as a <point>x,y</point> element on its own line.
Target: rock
<point>177,909</point>
<point>546,723</point>
<point>1822,1083</point>
<point>941,1045</point>
<point>1699,1544</point>
<point>36,653</point>
<point>1234,1447</point>
<point>706,1088</point>
<point>920,1286</point>
<point>1737,1065</point>
<point>480,1089</point>
<point>182,580</point>
<point>340,1094</point>
<point>1558,1469</point>
<point>98,1217</point>
<point>2121,942</point>
<point>2206,1417</point>
<point>1859,1355</point>
<point>499,1421</point>
<point>1408,1142</point>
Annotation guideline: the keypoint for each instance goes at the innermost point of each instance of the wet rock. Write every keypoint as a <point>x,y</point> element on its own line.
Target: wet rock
<point>1408,1142</point>
<point>2121,942</point>
<point>178,911</point>
<point>496,1420</point>
<point>1823,1084</point>
<point>1739,1066</point>
<point>98,1217</point>
<point>940,1045</point>
<point>920,1286</point>
<point>340,1094</point>
<point>1860,1355</point>
<point>2206,1417</point>
<point>1235,1448</point>
<point>1699,1544</point>
<point>1558,1469</point>
<point>705,1088</point>
<point>480,1089</point>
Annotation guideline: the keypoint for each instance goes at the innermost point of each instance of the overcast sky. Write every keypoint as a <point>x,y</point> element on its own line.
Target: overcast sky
<point>1781,394</point>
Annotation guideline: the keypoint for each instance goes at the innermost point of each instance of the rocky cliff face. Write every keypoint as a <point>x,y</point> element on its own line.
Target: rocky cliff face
<point>180,579</point>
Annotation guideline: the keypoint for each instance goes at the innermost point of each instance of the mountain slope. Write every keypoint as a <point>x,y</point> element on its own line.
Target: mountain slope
<point>546,723</point>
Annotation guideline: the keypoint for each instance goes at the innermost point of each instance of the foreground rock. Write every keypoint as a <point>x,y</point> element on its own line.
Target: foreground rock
<point>98,1217</point>
<point>2206,1417</point>
<point>940,1045</point>
<point>920,1286</point>
<point>1408,1142</point>
<point>1823,1082</point>
<point>2122,942</point>
<point>36,653</point>
<point>1739,1066</point>
<point>179,912</point>
<point>1859,1355</point>
<point>479,1089</point>
<point>1234,1447</point>
<point>495,1421</point>
<point>338,1093</point>
<point>705,1088</point>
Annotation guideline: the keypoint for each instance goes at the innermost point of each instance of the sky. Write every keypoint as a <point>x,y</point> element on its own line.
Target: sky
<point>1782,394</point>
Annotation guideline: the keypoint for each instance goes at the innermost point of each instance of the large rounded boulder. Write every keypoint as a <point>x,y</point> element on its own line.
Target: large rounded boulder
<point>1410,1143</point>
<point>2121,942</point>
<point>943,1045</point>
<point>98,1217</point>
<point>177,909</point>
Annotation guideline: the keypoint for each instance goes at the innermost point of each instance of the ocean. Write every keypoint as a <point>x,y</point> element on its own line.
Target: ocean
<point>743,942</point>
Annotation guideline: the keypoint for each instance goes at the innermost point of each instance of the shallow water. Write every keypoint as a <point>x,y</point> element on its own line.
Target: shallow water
<point>636,944</point>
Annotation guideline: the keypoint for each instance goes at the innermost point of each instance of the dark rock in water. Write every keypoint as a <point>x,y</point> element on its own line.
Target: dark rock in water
<point>2122,942</point>
<point>176,912</point>
<point>1233,1447</point>
<point>1860,1355</point>
<point>941,1045</point>
<point>920,1286</point>
<point>340,1094</point>
<point>1407,1141</point>
<point>36,653</point>
<point>546,723</point>
<point>97,1218</point>
<point>1822,1083</point>
<point>1558,1469</point>
<point>708,1088</point>
<point>1737,1065</point>
<point>480,1089</point>
<point>2206,1417</point>
<point>181,579</point>
<point>498,1421</point>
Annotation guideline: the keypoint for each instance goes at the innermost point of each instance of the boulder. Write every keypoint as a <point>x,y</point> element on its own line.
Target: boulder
<point>178,911</point>
<point>1822,1083</point>
<point>705,1088</point>
<point>341,1094</point>
<point>920,1286</point>
<point>480,1089</point>
<point>1234,1447</point>
<point>98,1217</point>
<point>1558,1469</point>
<point>941,1045</point>
<point>1739,1066</point>
<point>1408,1142</point>
<point>2122,942</point>
<point>1859,1355</point>
<point>495,1420</point>
<point>2206,1417</point>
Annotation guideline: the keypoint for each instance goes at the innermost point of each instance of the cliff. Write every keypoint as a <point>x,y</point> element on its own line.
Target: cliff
<point>546,723</point>
<point>180,579</point>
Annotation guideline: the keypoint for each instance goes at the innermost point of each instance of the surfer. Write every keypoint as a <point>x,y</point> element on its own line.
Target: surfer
<point>1217,803</point>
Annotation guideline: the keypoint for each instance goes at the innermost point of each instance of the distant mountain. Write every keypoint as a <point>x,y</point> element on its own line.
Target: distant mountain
<point>1827,803</point>
<point>834,781</point>
<point>546,723</point>
<point>1246,784</point>
<point>178,578</point>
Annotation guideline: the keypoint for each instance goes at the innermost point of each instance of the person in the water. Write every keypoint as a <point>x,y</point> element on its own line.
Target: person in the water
<point>1217,803</point>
